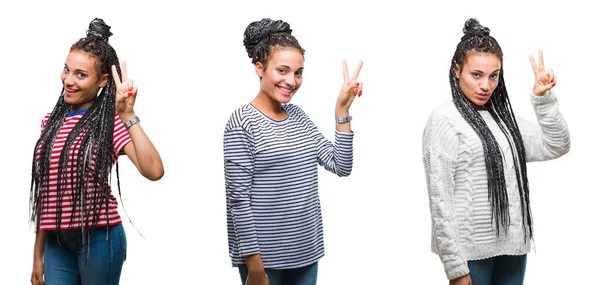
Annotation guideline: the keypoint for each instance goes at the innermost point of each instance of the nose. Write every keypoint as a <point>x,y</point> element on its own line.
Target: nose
<point>68,79</point>
<point>485,85</point>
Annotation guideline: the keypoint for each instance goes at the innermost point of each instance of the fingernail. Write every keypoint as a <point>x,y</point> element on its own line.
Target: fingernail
<point>356,84</point>
<point>359,93</point>
<point>553,84</point>
<point>129,93</point>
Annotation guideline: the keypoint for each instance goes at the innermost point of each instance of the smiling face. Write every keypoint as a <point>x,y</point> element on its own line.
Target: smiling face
<point>478,77</point>
<point>80,80</point>
<point>282,76</point>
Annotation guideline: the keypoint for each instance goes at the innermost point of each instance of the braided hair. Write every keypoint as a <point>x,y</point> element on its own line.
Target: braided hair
<point>477,39</point>
<point>93,134</point>
<point>261,37</point>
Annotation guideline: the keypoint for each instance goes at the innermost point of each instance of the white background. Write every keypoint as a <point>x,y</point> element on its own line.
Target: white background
<point>193,71</point>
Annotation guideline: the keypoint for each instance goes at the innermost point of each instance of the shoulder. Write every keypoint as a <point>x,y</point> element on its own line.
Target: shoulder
<point>441,125</point>
<point>45,119</point>
<point>240,117</point>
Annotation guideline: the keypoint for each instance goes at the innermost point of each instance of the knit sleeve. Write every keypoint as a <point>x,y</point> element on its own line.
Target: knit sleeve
<point>336,157</point>
<point>239,169</point>
<point>549,139</point>
<point>440,152</point>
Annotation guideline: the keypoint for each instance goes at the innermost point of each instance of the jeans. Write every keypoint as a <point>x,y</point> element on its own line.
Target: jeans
<point>66,264</point>
<point>306,275</point>
<point>498,270</point>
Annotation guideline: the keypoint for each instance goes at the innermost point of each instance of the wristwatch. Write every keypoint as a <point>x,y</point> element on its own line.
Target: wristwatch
<point>343,120</point>
<point>132,122</point>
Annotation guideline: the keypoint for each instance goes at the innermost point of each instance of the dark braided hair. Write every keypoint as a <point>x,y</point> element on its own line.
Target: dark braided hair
<point>477,39</point>
<point>261,37</point>
<point>93,133</point>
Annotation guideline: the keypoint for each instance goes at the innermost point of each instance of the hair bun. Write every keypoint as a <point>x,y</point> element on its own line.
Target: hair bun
<point>258,31</point>
<point>473,28</point>
<point>98,29</point>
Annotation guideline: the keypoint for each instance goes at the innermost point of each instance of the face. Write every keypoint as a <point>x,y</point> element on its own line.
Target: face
<point>282,76</point>
<point>80,80</point>
<point>479,77</point>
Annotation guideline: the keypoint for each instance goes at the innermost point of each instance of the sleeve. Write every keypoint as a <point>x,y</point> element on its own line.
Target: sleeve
<point>121,136</point>
<point>335,157</point>
<point>239,169</point>
<point>440,152</point>
<point>549,139</point>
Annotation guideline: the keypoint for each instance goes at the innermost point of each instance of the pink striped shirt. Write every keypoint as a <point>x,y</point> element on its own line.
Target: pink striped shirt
<point>49,194</point>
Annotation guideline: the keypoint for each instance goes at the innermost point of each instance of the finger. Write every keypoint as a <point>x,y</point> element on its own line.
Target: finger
<point>129,85</point>
<point>541,62</point>
<point>360,88</point>
<point>533,65</point>
<point>357,71</point>
<point>551,73</point>
<point>133,93</point>
<point>345,70</point>
<point>115,75</point>
<point>123,71</point>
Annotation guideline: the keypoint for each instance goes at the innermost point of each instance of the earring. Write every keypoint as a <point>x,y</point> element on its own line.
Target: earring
<point>99,91</point>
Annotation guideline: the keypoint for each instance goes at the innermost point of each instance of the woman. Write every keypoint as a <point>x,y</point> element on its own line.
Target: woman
<point>475,152</point>
<point>271,152</point>
<point>79,234</point>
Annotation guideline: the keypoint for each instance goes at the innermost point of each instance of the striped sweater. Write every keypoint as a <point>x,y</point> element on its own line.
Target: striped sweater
<point>271,183</point>
<point>462,227</point>
<point>49,194</point>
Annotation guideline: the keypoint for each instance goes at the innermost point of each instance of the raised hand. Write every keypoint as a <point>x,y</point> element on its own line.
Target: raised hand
<point>544,79</point>
<point>126,92</point>
<point>350,89</point>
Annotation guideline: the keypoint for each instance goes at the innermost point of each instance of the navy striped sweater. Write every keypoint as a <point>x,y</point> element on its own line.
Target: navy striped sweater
<point>271,181</point>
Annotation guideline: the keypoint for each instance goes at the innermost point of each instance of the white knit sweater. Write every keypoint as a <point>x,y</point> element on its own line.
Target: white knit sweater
<point>462,227</point>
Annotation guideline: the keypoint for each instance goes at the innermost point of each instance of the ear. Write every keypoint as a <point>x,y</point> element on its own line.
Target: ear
<point>103,80</point>
<point>259,69</point>
<point>457,70</point>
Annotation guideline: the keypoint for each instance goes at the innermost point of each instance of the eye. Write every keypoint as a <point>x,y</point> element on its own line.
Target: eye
<point>81,75</point>
<point>476,75</point>
<point>494,76</point>
<point>281,71</point>
<point>65,69</point>
<point>299,73</point>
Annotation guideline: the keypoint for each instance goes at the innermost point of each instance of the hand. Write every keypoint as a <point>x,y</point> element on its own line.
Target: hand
<point>257,278</point>
<point>465,280</point>
<point>37,274</point>
<point>126,92</point>
<point>350,88</point>
<point>544,79</point>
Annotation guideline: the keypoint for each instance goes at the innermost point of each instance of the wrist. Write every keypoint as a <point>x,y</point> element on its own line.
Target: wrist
<point>126,116</point>
<point>342,112</point>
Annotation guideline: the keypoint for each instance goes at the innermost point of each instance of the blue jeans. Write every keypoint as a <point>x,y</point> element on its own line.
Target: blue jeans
<point>498,270</point>
<point>306,275</point>
<point>65,263</point>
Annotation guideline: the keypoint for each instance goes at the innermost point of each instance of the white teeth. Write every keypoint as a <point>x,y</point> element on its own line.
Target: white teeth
<point>286,90</point>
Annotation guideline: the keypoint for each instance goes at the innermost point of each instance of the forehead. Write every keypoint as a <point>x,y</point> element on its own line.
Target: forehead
<point>78,59</point>
<point>287,56</point>
<point>484,61</point>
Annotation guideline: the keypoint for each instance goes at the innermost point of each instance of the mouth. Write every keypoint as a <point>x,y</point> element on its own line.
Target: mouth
<point>286,90</point>
<point>71,92</point>
<point>482,95</point>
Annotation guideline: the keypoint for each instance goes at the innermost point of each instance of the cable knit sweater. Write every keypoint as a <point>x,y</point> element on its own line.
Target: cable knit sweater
<point>462,227</point>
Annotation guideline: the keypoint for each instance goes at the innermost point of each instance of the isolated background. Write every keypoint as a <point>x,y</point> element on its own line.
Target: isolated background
<point>192,72</point>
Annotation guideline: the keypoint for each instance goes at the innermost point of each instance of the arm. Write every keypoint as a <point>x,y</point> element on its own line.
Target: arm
<point>337,157</point>
<point>141,151</point>
<point>439,158</point>
<point>239,169</point>
<point>549,139</point>
<point>37,274</point>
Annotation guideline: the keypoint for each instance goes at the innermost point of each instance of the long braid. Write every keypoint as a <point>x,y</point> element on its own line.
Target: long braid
<point>88,150</point>
<point>477,39</point>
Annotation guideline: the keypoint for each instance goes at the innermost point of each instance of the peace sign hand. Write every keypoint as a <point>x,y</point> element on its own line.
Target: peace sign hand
<point>126,92</point>
<point>350,88</point>
<point>544,79</point>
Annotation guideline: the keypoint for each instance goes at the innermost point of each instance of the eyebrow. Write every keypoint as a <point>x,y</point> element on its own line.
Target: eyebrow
<point>283,65</point>
<point>79,70</point>
<point>477,70</point>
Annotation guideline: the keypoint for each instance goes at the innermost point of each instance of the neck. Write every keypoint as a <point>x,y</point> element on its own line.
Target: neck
<point>268,106</point>
<point>79,107</point>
